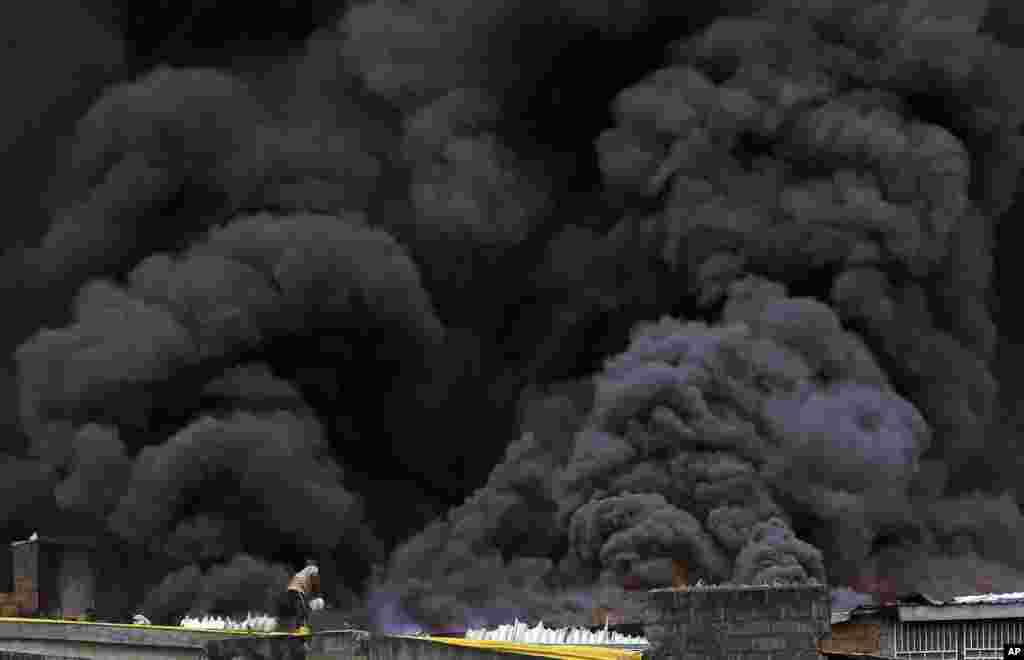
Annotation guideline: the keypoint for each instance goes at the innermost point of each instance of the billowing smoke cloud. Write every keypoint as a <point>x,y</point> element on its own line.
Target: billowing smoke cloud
<point>233,589</point>
<point>739,288</point>
<point>227,476</point>
<point>50,93</point>
<point>254,279</point>
<point>692,432</point>
<point>28,481</point>
<point>262,454</point>
<point>169,137</point>
<point>98,468</point>
<point>791,148</point>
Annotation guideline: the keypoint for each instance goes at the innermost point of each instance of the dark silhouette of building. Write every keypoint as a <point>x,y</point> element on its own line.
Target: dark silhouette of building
<point>52,577</point>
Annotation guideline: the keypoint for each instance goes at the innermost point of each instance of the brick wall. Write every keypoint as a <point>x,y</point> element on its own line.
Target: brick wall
<point>737,623</point>
<point>23,601</point>
<point>264,648</point>
<point>856,638</point>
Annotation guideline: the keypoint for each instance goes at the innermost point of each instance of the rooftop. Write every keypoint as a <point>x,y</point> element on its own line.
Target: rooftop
<point>724,586</point>
<point>990,599</point>
<point>921,607</point>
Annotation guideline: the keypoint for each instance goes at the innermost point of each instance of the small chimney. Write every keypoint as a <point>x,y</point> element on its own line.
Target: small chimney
<point>680,573</point>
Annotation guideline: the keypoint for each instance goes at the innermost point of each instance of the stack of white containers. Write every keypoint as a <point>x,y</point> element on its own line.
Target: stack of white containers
<point>257,623</point>
<point>522,633</point>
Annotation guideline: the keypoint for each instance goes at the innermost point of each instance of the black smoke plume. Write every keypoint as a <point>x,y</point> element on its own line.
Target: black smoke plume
<point>499,309</point>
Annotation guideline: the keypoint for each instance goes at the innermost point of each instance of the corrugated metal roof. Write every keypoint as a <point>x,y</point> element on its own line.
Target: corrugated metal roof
<point>921,607</point>
<point>955,612</point>
<point>977,606</point>
<point>1013,598</point>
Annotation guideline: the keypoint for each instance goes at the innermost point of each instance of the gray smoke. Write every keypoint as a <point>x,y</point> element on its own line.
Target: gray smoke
<point>747,322</point>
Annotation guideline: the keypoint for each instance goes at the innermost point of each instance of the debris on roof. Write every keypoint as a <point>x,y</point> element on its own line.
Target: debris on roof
<point>841,617</point>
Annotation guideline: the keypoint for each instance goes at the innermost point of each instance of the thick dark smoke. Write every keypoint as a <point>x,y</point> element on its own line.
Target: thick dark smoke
<point>243,585</point>
<point>500,309</point>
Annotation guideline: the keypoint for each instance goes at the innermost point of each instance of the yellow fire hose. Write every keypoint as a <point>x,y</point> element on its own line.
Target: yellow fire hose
<point>562,651</point>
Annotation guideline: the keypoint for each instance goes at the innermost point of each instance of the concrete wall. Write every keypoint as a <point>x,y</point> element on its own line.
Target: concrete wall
<point>738,623</point>
<point>127,642</point>
<point>255,649</point>
<point>340,644</point>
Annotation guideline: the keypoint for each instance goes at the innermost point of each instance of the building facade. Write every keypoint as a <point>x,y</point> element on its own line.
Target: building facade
<point>921,628</point>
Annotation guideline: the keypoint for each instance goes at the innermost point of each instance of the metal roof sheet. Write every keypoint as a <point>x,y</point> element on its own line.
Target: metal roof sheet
<point>840,617</point>
<point>976,606</point>
<point>991,599</point>
<point>955,612</point>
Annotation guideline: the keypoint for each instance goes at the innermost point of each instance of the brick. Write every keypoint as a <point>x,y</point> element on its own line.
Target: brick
<point>27,604</point>
<point>789,627</point>
<point>809,654</point>
<point>753,628</point>
<point>799,641</point>
<point>767,643</point>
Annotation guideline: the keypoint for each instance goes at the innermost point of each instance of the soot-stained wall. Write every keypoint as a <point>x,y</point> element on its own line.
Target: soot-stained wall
<point>738,623</point>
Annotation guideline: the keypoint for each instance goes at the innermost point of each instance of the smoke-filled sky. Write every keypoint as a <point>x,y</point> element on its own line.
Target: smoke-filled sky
<point>496,308</point>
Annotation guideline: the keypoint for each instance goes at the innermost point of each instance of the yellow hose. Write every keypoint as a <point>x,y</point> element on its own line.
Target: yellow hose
<point>563,651</point>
